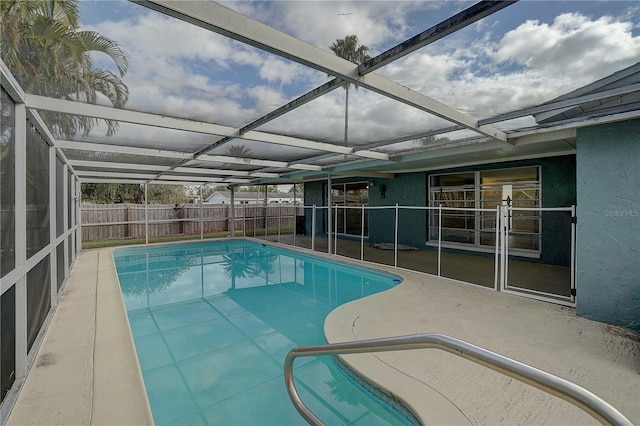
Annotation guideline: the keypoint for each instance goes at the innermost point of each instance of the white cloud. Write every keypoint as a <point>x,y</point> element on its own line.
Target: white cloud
<point>531,64</point>
<point>320,23</point>
<point>182,70</point>
<point>572,44</point>
<point>276,70</point>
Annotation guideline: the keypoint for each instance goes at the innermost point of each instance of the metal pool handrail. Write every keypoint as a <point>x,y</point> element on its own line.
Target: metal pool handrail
<point>564,389</point>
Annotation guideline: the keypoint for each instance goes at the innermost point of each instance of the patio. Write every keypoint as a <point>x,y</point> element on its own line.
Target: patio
<point>548,162</point>
<point>79,377</point>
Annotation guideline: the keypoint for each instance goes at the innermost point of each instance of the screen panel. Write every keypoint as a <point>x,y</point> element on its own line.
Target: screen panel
<point>37,191</point>
<point>38,298</point>
<point>7,185</point>
<point>7,341</point>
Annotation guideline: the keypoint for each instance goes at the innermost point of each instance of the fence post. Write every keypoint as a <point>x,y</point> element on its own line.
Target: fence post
<point>496,272</point>
<point>329,224</point>
<point>439,238</point>
<point>395,246</point>
<point>146,216</point>
<point>266,211</point>
<point>279,219</point>
<point>573,252</point>
<point>129,219</point>
<point>201,215</point>
<point>295,216</point>
<point>335,233</point>
<point>504,236</point>
<point>233,213</point>
<point>362,236</point>
<point>313,228</point>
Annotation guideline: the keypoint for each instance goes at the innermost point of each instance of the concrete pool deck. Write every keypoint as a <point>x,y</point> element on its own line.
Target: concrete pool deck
<point>86,371</point>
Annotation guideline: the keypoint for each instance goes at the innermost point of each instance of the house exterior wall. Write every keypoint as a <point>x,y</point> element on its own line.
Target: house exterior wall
<point>405,190</point>
<point>558,188</point>
<point>608,191</point>
<point>217,198</point>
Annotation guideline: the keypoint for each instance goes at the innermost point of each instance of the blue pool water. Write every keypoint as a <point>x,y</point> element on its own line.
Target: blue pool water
<point>212,323</point>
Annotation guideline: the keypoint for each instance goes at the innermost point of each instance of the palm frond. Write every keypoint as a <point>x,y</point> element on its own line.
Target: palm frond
<point>95,42</point>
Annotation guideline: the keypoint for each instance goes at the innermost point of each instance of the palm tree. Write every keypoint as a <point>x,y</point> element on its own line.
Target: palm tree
<point>48,55</point>
<point>238,151</point>
<point>347,48</point>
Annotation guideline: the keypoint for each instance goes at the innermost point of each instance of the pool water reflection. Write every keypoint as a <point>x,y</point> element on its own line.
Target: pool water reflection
<point>212,323</point>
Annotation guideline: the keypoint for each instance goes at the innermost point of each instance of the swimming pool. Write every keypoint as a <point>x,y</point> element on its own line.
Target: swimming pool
<point>212,323</point>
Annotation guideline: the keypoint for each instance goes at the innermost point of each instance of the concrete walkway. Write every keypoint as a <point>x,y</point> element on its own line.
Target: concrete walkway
<point>446,389</point>
<point>86,371</point>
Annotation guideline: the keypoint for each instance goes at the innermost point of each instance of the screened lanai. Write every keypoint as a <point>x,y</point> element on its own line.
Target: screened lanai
<point>288,140</point>
<point>240,93</point>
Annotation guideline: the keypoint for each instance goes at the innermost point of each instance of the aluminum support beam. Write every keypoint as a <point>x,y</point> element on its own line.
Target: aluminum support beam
<point>566,103</point>
<point>163,121</point>
<point>10,84</point>
<point>117,166</point>
<point>20,116</point>
<point>119,149</point>
<point>446,27</point>
<point>222,20</point>
<point>435,33</point>
<point>53,211</point>
<point>89,173</point>
<point>233,211</point>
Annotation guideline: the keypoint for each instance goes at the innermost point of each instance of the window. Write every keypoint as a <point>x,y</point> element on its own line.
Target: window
<point>350,219</point>
<point>484,190</point>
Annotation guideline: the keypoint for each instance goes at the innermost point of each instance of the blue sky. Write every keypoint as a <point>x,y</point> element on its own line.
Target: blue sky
<point>523,55</point>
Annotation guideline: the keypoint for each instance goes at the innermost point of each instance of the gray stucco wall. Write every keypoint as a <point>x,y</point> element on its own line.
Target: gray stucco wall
<point>608,239</point>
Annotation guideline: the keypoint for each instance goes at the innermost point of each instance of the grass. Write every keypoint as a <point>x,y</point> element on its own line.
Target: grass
<point>222,234</point>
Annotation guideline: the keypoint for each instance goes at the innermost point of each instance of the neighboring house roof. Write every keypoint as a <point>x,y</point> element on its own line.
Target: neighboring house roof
<point>614,94</point>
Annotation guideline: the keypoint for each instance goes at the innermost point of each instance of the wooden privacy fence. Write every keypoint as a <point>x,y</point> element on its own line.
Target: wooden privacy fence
<point>122,221</point>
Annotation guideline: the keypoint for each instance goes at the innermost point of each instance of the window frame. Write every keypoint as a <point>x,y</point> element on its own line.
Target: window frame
<point>480,218</point>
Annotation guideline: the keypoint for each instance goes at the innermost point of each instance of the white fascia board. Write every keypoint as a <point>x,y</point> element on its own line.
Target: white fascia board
<point>246,161</point>
<point>372,154</point>
<point>232,180</point>
<point>264,175</point>
<point>126,116</point>
<point>222,20</point>
<point>578,123</point>
<point>119,166</point>
<point>119,149</point>
<point>200,170</point>
<point>170,182</point>
<point>190,178</point>
<point>547,114</point>
<point>117,175</point>
<point>570,103</point>
<point>537,137</point>
<point>367,174</point>
<point>105,180</point>
<point>300,166</point>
